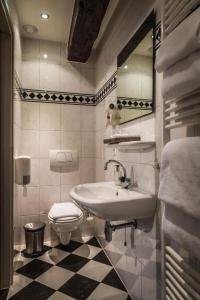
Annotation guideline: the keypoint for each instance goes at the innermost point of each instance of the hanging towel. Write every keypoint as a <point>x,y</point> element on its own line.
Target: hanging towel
<point>180,175</point>
<point>182,41</point>
<point>182,78</point>
<point>182,228</point>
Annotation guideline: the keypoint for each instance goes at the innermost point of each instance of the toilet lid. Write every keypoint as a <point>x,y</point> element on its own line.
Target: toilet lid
<point>66,210</point>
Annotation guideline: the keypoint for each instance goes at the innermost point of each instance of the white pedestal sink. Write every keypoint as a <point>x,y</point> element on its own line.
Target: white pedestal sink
<point>113,203</point>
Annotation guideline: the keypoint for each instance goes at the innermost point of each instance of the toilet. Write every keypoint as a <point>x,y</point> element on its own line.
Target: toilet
<point>65,218</point>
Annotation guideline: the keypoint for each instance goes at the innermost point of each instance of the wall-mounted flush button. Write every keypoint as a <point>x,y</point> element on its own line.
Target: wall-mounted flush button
<point>65,159</point>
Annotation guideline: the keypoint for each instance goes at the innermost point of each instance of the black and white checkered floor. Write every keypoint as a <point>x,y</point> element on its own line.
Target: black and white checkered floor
<point>76,271</point>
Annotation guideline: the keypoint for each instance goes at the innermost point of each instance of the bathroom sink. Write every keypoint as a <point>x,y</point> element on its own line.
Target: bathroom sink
<point>110,202</point>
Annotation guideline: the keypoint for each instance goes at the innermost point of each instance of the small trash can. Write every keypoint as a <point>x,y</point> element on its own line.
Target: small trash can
<point>34,236</point>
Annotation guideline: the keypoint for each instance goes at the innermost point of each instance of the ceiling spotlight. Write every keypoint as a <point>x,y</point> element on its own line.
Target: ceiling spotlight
<point>45,55</point>
<point>44,16</point>
<point>125,67</point>
<point>30,28</point>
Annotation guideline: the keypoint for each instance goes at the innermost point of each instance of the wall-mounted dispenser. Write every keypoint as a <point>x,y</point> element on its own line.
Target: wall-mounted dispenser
<point>66,160</point>
<point>22,170</point>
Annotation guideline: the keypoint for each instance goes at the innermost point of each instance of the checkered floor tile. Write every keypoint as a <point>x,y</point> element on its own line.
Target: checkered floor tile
<point>76,271</point>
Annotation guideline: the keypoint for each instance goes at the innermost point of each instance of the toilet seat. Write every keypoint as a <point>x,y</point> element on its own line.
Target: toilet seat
<point>66,212</point>
<point>64,220</point>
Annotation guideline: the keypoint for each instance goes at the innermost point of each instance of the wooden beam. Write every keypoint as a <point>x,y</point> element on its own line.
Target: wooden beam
<point>85,26</point>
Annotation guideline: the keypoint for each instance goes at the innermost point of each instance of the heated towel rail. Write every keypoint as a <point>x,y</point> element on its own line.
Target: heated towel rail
<point>181,280</point>
<point>184,111</point>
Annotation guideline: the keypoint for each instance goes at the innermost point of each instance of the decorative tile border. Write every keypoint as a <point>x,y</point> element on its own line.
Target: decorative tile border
<point>135,103</point>
<point>157,36</point>
<point>57,97</point>
<point>32,95</point>
<point>107,88</point>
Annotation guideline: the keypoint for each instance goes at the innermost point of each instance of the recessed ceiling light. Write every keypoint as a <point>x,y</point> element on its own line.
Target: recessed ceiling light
<point>45,55</point>
<point>30,28</point>
<point>44,16</point>
<point>125,67</point>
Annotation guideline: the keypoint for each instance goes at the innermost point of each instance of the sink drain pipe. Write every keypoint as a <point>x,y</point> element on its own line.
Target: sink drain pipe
<point>109,228</point>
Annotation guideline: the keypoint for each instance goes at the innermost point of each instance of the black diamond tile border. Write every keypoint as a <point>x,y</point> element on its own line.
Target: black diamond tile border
<point>34,269</point>
<point>102,258</point>
<point>135,103</point>
<point>43,96</point>
<point>32,95</point>
<point>79,287</point>
<point>73,262</point>
<point>32,291</point>
<point>113,279</point>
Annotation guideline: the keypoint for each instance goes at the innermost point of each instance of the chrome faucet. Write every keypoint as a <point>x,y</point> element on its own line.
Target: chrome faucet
<point>125,182</point>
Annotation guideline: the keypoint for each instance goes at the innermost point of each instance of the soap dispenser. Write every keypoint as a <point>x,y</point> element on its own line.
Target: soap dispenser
<point>117,175</point>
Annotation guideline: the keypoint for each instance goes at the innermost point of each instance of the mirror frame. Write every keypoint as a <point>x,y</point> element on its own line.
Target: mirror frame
<point>139,35</point>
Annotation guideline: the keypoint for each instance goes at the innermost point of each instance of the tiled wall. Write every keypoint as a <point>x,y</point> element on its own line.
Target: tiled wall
<point>55,73</point>
<point>45,126</point>
<point>138,263</point>
<point>50,126</point>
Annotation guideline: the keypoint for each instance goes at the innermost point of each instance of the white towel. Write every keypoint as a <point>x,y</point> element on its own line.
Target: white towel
<point>182,41</point>
<point>180,175</point>
<point>182,78</point>
<point>182,228</point>
<point>63,210</point>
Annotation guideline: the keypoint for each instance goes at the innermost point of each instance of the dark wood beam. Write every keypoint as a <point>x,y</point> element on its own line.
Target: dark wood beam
<point>85,26</point>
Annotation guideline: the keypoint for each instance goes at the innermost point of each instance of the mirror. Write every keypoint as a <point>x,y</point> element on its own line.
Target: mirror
<point>135,74</point>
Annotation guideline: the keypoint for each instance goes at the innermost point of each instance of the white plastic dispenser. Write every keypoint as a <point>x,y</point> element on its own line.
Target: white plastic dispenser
<point>67,160</point>
<point>22,170</point>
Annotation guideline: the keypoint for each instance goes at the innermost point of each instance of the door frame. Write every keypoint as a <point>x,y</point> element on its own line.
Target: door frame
<point>6,148</point>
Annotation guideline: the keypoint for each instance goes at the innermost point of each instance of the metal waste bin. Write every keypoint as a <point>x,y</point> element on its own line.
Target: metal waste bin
<point>34,236</point>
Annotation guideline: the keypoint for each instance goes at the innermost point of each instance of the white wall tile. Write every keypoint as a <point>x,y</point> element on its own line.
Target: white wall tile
<point>88,120</point>
<point>99,144</point>
<point>70,77</point>
<point>29,201</point>
<point>71,140</point>
<point>49,140</point>
<point>47,176</point>
<point>30,115</point>
<point>53,51</point>
<point>71,178</point>
<point>49,76</point>
<point>88,144</point>
<point>31,74</point>
<point>87,85</point>
<point>70,117</point>
<point>87,170</point>
<point>30,143</point>
<point>34,172</point>
<point>17,105</point>
<point>100,176</point>
<point>48,196</point>
<point>30,49</point>
<point>50,116</point>
<point>65,192</point>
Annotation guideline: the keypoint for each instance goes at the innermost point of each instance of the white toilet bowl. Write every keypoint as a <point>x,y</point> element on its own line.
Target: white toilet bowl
<point>65,218</point>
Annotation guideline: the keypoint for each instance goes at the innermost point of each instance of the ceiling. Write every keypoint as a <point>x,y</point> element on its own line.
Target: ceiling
<point>56,28</point>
